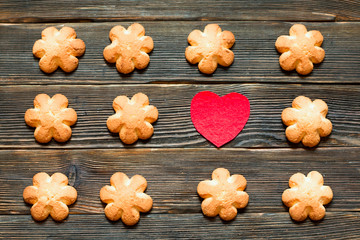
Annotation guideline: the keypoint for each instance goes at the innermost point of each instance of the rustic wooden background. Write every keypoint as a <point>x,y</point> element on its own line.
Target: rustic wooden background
<point>176,158</point>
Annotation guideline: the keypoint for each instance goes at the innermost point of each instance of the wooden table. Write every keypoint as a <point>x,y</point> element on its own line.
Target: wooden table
<point>177,158</point>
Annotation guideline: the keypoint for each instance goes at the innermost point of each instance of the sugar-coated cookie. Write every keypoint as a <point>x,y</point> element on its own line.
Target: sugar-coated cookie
<point>51,118</point>
<point>133,118</point>
<point>58,48</point>
<point>306,121</point>
<point>125,198</point>
<point>210,48</point>
<point>129,48</point>
<point>306,196</point>
<point>223,194</point>
<point>300,50</point>
<point>50,195</point>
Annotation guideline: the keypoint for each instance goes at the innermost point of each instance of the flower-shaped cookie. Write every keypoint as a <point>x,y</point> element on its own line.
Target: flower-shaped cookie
<point>306,196</point>
<point>129,48</point>
<point>51,118</point>
<point>306,121</point>
<point>210,48</point>
<point>300,50</point>
<point>133,118</point>
<point>58,48</point>
<point>125,198</point>
<point>223,194</point>
<point>50,195</point>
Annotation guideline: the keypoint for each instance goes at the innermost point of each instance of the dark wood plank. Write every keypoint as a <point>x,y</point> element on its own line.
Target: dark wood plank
<point>91,10</point>
<point>174,127</point>
<point>173,175</point>
<point>184,226</point>
<point>256,59</point>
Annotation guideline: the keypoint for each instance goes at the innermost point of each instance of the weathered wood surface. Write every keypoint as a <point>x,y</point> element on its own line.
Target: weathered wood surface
<point>173,175</point>
<point>174,127</point>
<point>256,59</point>
<point>114,10</point>
<point>184,226</point>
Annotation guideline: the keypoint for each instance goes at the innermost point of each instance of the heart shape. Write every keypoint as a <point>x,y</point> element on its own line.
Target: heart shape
<point>219,119</point>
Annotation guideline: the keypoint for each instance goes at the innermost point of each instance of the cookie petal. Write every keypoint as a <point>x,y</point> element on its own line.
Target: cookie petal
<point>212,31</point>
<point>67,116</point>
<point>227,39</point>
<point>151,113</point>
<point>311,139</point>
<point>32,117</point>
<point>193,54</point>
<point>39,48</point>
<point>137,29</point>
<point>225,57</point>
<point>210,207</point>
<point>60,179</point>
<point>111,53</point>
<point>207,188</point>
<point>120,102</point>
<point>141,60</point>
<point>107,194</point>
<point>48,64</point>
<point>301,102</point>
<point>112,212</point>
<point>116,33</point>
<point>317,36</point>
<point>195,37</point>
<point>290,197</point>
<point>147,44</point>
<point>68,63</point>
<point>317,212</point>
<point>30,194</point>
<point>39,178</point>
<point>287,61</point>
<point>298,30</point>
<point>66,33</point>
<point>140,99</point>
<point>326,195</point>
<point>296,180</point>
<point>40,211</point>
<point>317,55</point>
<point>119,180</point>
<point>242,199</point>
<point>115,123</point>
<point>221,174</point>
<point>298,212</point>
<point>138,183</point>
<point>67,195</point>
<point>42,101</point>
<point>62,132</point>
<point>124,64</point>
<point>228,213</point>
<point>48,33</point>
<point>77,47</point>
<point>238,181</point>
<point>294,134</point>
<point>305,66</point>
<point>59,211</point>
<point>58,102</point>
<point>144,130</point>
<point>143,202</point>
<point>283,43</point>
<point>130,216</point>
<point>207,65</point>
<point>42,134</point>
<point>290,116</point>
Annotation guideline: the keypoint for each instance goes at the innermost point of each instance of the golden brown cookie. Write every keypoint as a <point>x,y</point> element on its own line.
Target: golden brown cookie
<point>306,196</point>
<point>300,50</point>
<point>125,198</point>
<point>306,121</point>
<point>223,194</point>
<point>51,118</point>
<point>210,48</point>
<point>50,195</point>
<point>133,118</point>
<point>129,48</point>
<point>58,48</point>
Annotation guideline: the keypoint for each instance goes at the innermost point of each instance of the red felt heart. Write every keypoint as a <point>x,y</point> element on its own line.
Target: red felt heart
<point>219,119</point>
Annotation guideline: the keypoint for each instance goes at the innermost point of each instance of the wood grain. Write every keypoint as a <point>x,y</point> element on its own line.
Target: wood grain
<point>256,59</point>
<point>112,10</point>
<point>184,226</point>
<point>173,175</point>
<point>174,127</point>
